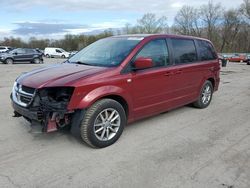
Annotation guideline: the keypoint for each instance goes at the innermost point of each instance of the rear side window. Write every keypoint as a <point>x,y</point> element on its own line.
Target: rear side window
<point>157,51</point>
<point>29,51</point>
<point>184,51</point>
<point>206,50</point>
<point>20,51</point>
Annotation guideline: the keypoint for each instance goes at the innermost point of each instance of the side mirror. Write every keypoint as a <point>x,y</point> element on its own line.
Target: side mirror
<point>143,63</point>
<point>15,53</point>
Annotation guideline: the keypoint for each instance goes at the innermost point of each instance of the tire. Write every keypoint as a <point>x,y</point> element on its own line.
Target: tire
<point>9,61</point>
<point>47,55</point>
<point>205,96</point>
<point>248,63</point>
<point>96,129</point>
<point>63,56</point>
<point>36,60</point>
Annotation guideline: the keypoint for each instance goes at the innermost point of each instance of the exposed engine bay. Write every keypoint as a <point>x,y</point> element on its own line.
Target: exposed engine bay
<point>48,106</point>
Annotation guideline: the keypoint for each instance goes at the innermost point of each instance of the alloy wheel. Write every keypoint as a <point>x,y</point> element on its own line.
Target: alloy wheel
<point>107,124</point>
<point>206,94</point>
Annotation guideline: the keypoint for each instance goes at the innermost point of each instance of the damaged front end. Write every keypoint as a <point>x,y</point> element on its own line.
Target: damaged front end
<point>48,106</point>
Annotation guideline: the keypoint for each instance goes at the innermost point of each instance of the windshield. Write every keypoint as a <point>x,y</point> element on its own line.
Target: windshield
<point>108,52</point>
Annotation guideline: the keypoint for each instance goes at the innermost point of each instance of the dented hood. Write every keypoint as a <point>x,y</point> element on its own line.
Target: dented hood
<point>58,75</point>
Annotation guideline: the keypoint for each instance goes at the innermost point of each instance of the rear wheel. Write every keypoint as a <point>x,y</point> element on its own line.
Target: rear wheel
<point>36,60</point>
<point>9,61</point>
<point>47,55</point>
<point>103,123</point>
<point>205,96</point>
<point>63,56</point>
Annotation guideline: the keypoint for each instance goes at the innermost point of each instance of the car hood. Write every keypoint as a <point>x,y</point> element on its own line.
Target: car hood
<point>58,75</point>
<point>4,54</point>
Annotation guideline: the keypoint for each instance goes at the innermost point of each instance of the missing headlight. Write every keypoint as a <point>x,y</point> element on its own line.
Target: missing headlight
<point>55,99</point>
<point>58,94</point>
<point>53,104</point>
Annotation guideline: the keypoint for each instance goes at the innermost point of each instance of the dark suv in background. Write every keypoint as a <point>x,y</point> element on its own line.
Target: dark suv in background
<point>21,55</point>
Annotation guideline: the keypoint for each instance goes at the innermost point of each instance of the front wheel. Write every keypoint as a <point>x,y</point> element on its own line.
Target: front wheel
<point>36,60</point>
<point>205,96</point>
<point>103,123</point>
<point>9,61</point>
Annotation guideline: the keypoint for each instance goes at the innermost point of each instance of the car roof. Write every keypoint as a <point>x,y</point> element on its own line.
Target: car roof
<point>159,36</point>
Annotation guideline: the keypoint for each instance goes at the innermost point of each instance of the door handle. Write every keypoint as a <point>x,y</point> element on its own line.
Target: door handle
<point>178,72</point>
<point>212,69</point>
<point>168,73</point>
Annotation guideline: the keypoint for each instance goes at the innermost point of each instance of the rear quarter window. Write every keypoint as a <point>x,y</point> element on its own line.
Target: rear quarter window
<point>206,50</point>
<point>29,51</point>
<point>184,51</point>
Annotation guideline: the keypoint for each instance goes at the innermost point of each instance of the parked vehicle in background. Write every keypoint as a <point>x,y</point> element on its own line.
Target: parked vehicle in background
<point>237,58</point>
<point>117,80</point>
<point>40,51</point>
<point>73,53</point>
<point>220,57</point>
<point>56,52</point>
<point>4,49</point>
<point>21,55</point>
<point>248,59</point>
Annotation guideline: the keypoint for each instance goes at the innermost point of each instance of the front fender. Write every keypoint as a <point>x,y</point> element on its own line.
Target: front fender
<point>98,93</point>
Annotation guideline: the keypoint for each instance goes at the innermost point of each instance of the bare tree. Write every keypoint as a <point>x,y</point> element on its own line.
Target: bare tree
<point>129,29</point>
<point>150,24</point>
<point>245,8</point>
<point>230,27</point>
<point>187,21</point>
<point>211,15</point>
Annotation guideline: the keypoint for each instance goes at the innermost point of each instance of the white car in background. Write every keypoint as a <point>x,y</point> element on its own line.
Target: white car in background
<point>4,49</point>
<point>56,52</point>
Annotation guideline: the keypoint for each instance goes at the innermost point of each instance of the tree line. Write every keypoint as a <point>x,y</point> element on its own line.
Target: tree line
<point>229,30</point>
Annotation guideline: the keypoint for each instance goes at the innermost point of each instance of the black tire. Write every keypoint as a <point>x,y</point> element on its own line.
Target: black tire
<point>47,55</point>
<point>248,63</point>
<point>63,56</point>
<point>200,103</point>
<point>87,128</point>
<point>36,60</point>
<point>9,61</point>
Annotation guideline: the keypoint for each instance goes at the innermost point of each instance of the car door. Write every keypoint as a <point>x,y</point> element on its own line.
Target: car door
<point>19,54</point>
<point>29,53</point>
<point>187,73</point>
<point>151,88</point>
<point>58,53</point>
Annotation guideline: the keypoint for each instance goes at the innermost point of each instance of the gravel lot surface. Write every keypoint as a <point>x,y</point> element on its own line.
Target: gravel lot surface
<point>186,147</point>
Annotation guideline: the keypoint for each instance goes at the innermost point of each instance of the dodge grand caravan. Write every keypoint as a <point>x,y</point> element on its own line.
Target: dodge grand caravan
<point>115,81</point>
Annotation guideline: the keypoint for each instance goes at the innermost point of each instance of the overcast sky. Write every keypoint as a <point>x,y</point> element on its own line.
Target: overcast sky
<point>55,18</point>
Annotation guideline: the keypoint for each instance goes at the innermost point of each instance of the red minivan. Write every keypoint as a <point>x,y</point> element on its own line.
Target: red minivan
<point>115,81</point>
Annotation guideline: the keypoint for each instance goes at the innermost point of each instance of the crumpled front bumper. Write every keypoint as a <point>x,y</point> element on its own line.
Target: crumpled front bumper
<point>32,115</point>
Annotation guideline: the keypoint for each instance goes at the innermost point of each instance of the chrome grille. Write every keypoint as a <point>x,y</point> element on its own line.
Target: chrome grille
<point>23,95</point>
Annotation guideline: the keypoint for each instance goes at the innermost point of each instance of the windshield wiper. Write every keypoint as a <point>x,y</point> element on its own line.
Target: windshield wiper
<point>82,63</point>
